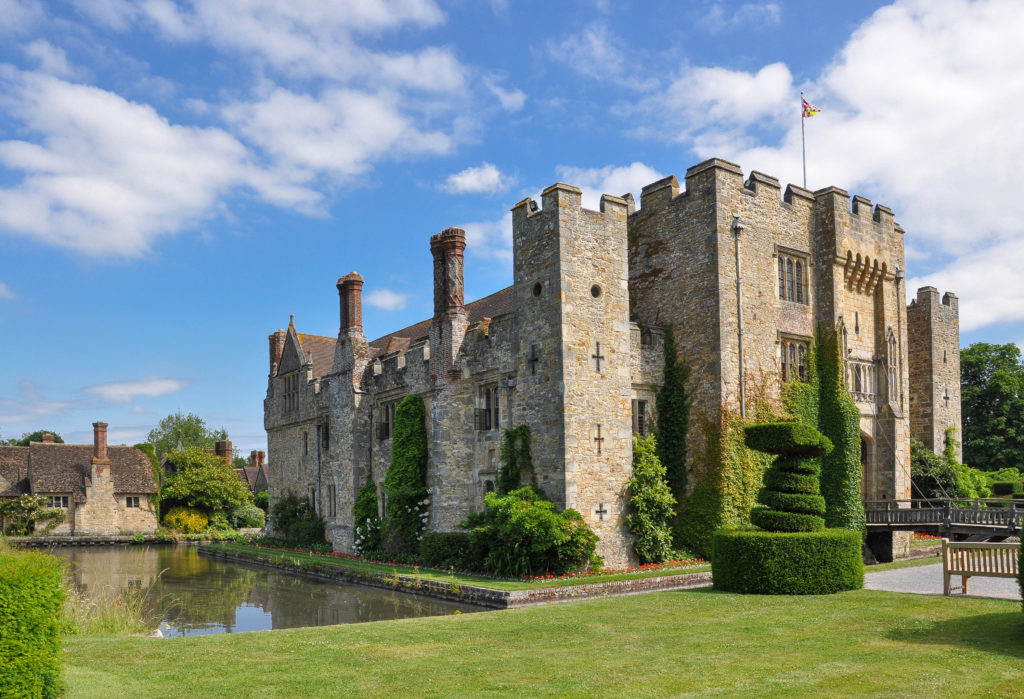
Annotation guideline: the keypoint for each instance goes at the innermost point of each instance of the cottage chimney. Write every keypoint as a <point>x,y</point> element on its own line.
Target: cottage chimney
<point>350,297</point>
<point>276,349</point>
<point>223,449</point>
<point>99,441</point>
<point>47,438</point>
<point>256,458</point>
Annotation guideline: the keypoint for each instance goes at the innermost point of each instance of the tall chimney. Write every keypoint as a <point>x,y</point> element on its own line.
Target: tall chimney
<point>447,248</point>
<point>47,438</point>
<point>350,296</point>
<point>99,441</point>
<point>223,449</point>
<point>256,458</point>
<point>276,349</point>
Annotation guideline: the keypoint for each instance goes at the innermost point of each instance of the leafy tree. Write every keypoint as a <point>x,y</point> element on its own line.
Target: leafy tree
<point>202,480</point>
<point>992,401</point>
<point>193,431</point>
<point>36,436</point>
<point>406,481</point>
<point>650,503</point>
<point>941,475</point>
<point>673,407</point>
<point>239,462</point>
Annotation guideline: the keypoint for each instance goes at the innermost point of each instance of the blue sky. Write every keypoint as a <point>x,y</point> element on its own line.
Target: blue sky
<point>177,178</point>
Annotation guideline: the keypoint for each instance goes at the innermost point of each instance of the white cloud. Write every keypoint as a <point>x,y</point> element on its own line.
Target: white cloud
<point>387,300</point>
<point>490,239</point>
<point>5,292</point>
<point>30,406</point>
<point>511,100</point>
<point>718,19</point>
<point>109,175</point>
<point>483,179</point>
<point>17,16</point>
<point>595,52</point>
<point>127,391</point>
<point>611,179</point>
<point>52,60</point>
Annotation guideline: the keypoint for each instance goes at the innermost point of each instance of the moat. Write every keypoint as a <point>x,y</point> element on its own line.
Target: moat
<point>191,595</point>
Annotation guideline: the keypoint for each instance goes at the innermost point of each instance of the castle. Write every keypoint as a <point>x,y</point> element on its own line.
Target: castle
<point>741,271</point>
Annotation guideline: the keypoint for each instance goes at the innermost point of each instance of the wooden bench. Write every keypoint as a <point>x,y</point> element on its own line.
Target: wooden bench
<point>967,559</point>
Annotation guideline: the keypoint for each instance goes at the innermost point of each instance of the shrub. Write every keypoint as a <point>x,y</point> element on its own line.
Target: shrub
<point>521,534</point>
<point>1003,488</point>
<point>262,501</point>
<point>247,515</point>
<point>788,563</point>
<point>786,506</point>
<point>673,407</point>
<point>941,475</point>
<point>445,549</point>
<point>297,523</point>
<point>650,503</point>
<point>186,520</point>
<point>405,482</point>
<point>203,480</point>
<point>31,621</point>
<point>218,522</point>
<point>516,460</point>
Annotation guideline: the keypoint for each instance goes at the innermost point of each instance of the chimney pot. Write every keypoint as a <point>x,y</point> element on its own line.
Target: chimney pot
<point>47,438</point>
<point>448,247</point>
<point>223,450</point>
<point>99,441</point>
<point>350,301</point>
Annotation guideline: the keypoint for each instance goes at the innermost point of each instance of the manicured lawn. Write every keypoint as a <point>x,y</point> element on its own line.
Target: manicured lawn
<point>299,559</point>
<point>864,643</point>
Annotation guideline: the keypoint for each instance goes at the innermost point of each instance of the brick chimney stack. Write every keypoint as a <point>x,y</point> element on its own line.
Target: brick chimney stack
<point>257,458</point>
<point>99,441</point>
<point>447,247</point>
<point>276,349</point>
<point>47,438</point>
<point>350,297</point>
<point>223,449</point>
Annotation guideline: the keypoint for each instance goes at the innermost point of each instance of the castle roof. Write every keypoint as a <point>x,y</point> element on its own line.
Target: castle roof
<point>322,349</point>
<point>66,468</point>
<point>498,303</point>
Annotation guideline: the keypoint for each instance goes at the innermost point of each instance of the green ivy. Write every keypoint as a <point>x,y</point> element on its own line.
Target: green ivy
<point>154,500</point>
<point>366,521</point>
<point>406,481</point>
<point>672,404</point>
<point>824,402</point>
<point>650,503</point>
<point>516,460</point>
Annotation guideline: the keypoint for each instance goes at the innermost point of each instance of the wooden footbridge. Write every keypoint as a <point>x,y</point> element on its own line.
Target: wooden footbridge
<point>965,520</point>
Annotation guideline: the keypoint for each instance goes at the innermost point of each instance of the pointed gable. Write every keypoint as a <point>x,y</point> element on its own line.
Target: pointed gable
<point>292,357</point>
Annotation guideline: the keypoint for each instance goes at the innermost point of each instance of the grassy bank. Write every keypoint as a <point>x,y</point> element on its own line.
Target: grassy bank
<point>362,566</point>
<point>670,643</point>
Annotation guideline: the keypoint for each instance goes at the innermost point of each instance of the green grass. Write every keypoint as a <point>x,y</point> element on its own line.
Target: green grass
<point>862,643</point>
<point>301,559</point>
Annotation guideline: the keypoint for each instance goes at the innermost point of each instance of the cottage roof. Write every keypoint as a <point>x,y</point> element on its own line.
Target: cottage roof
<point>498,303</point>
<point>65,468</point>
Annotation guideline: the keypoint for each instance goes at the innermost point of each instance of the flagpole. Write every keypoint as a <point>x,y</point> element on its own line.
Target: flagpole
<point>803,139</point>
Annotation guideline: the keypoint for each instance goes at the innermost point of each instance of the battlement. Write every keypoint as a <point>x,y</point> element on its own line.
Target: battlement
<point>561,196</point>
<point>928,300</point>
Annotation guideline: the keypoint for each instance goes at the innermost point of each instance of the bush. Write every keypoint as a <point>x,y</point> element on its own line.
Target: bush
<point>1003,488</point>
<point>31,621</point>
<point>788,563</point>
<point>247,515</point>
<point>650,503</point>
<point>262,501</point>
<point>203,480</point>
<point>218,522</point>
<point>445,549</point>
<point>186,520</point>
<point>297,523</point>
<point>520,534</point>
<point>406,481</point>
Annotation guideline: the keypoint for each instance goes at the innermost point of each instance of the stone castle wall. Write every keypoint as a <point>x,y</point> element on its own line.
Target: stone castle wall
<point>934,364</point>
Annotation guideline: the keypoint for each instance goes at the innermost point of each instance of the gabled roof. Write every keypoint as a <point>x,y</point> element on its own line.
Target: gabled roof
<point>498,303</point>
<point>66,468</point>
<point>322,349</point>
<point>13,471</point>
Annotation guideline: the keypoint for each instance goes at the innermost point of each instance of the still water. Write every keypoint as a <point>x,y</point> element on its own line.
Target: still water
<point>193,595</point>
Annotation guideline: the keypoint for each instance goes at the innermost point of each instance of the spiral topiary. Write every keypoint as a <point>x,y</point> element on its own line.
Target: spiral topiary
<point>790,500</point>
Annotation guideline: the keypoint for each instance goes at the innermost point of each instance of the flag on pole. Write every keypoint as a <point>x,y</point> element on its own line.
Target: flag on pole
<point>809,109</point>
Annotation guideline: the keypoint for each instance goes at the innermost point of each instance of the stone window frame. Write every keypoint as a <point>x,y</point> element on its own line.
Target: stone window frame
<point>862,379</point>
<point>792,269</point>
<point>487,419</point>
<point>332,500</point>
<point>892,354</point>
<point>59,502</point>
<point>384,415</point>
<point>132,501</point>
<point>290,392</point>
<point>641,416</point>
<point>792,354</point>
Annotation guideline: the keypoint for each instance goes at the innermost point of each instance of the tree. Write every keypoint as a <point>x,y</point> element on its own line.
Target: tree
<point>650,504</point>
<point>202,480</point>
<point>36,436</point>
<point>191,427</point>
<point>992,401</point>
<point>673,407</point>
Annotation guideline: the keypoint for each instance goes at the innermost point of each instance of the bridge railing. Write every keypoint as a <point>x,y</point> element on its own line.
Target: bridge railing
<point>981,513</point>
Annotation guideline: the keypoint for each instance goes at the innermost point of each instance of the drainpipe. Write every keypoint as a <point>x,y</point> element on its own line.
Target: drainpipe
<point>900,309</point>
<point>737,229</point>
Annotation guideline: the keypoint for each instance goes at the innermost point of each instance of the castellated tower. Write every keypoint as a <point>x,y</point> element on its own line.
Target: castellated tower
<point>934,368</point>
<point>573,387</point>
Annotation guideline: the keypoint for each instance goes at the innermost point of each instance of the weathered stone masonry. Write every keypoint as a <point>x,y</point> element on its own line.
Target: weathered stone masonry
<point>573,348</point>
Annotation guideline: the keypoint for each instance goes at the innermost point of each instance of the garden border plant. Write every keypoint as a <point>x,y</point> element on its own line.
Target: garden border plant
<point>793,553</point>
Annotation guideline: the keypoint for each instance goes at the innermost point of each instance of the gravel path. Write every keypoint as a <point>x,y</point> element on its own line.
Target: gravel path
<point>927,580</point>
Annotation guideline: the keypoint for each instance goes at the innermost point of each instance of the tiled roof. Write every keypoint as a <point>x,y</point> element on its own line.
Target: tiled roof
<point>13,471</point>
<point>65,468</point>
<point>323,352</point>
<point>498,303</point>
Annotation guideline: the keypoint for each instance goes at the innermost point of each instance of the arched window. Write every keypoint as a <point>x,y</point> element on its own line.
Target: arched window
<point>793,271</point>
<point>793,360</point>
<point>799,282</point>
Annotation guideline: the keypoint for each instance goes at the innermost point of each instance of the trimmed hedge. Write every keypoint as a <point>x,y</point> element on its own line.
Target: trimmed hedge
<point>776,521</point>
<point>31,608</point>
<point>1002,488</point>
<point>795,439</point>
<point>788,563</point>
<point>791,482</point>
<point>791,502</point>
